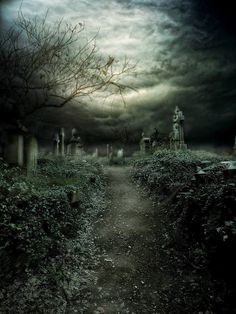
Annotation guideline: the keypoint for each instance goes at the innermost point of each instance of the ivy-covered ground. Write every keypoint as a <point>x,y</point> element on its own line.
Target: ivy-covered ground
<point>196,228</point>
<point>46,234</point>
<point>152,238</point>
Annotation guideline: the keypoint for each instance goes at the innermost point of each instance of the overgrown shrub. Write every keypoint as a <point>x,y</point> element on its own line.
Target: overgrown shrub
<point>36,213</point>
<point>166,171</point>
<point>201,214</point>
<point>207,215</point>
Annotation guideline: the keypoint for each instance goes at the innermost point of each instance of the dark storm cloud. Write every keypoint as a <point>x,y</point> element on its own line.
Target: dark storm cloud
<point>186,56</point>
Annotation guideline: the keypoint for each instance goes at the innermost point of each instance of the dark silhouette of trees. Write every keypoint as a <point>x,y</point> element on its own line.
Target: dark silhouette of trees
<point>45,65</point>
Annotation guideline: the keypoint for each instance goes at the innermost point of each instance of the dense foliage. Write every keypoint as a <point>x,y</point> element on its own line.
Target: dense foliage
<point>201,211</point>
<point>39,214</point>
<point>166,171</point>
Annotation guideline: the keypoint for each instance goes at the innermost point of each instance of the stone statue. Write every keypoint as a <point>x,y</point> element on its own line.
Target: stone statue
<point>75,146</point>
<point>177,135</point>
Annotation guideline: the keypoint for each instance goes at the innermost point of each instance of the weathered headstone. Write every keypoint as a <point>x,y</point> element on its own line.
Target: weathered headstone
<point>62,142</point>
<point>75,196</point>
<point>145,144</point>
<point>120,153</point>
<point>75,146</point>
<point>14,149</point>
<point>95,153</point>
<point>31,154</point>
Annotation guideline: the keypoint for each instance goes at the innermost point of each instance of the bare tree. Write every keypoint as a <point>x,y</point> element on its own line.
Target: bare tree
<point>126,133</point>
<point>46,65</point>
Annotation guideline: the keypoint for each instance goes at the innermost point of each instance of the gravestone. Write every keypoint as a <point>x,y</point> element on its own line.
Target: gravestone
<point>75,196</point>
<point>14,149</point>
<point>145,144</point>
<point>56,142</point>
<point>95,153</point>
<point>120,153</point>
<point>31,154</point>
<point>62,142</point>
<point>75,146</point>
<point>177,134</point>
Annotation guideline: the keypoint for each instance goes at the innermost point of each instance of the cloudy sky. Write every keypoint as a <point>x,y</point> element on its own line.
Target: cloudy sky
<point>185,52</point>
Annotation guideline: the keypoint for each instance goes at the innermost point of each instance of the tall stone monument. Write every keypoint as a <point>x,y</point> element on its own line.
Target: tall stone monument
<point>14,150</point>
<point>75,146</point>
<point>177,135</point>
<point>19,146</point>
<point>31,154</point>
<point>62,142</point>
<point>56,142</point>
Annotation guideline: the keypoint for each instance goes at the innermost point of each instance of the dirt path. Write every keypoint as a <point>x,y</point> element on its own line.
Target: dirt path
<point>127,278</point>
